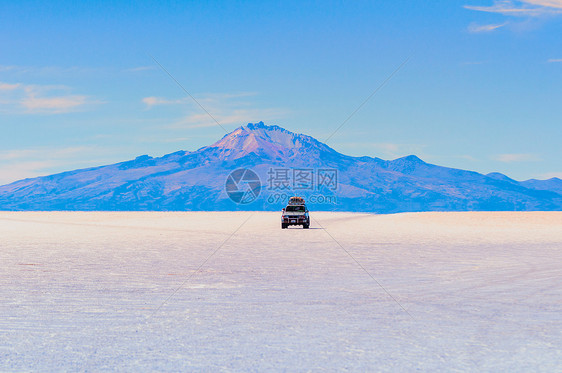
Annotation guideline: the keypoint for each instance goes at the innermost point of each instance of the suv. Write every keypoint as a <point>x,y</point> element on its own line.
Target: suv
<point>295,213</point>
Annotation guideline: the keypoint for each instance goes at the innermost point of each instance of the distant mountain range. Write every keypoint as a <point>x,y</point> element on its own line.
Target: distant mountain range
<point>287,164</point>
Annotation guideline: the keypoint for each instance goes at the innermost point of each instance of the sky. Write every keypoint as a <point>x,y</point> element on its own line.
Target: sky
<point>474,84</point>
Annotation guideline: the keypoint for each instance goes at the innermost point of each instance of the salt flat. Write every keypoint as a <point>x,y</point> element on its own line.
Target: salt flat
<point>104,291</point>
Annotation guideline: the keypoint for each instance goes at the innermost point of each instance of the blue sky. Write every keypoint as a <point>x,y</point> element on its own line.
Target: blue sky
<point>481,90</point>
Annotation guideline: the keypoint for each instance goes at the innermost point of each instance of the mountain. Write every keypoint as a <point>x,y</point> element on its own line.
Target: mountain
<point>554,184</point>
<point>286,164</point>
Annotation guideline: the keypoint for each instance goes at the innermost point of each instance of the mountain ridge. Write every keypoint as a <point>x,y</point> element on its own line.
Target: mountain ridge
<point>195,180</point>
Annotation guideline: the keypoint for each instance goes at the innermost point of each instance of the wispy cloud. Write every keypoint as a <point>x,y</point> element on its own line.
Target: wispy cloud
<point>226,108</point>
<point>554,60</point>
<point>8,155</point>
<point>22,170</point>
<point>476,28</point>
<point>386,150</point>
<point>8,87</point>
<point>522,8</point>
<point>156,101</point>
<point>140,68</point>
<point>53,105</point>
<point>387,147</point>
<point>19,164</point>
<point>546,3</point>
<point>209,98</point>
<point>550,175</point>
<point>40,99</point>
<point>517,157</point>
<point>53,153</point>
<point>51,70</point>
<point>468,157</point>
<point>530,14</point>
<point>236,116</point>
<point>7,68</point>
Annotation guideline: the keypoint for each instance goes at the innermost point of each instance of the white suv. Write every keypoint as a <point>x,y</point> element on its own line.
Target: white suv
<point>295,213</point>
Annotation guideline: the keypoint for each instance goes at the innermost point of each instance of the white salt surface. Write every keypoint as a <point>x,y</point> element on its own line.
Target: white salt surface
<point>97,292</point>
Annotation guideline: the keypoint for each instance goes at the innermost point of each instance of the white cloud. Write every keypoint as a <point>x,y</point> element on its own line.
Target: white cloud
<point>53,105</point>
<point>546,3</point>
<point>22,170</point>
<point>517,157</point>
<point>155,101</point>
<point>215,97</point>
<point>227,117</point>
<point>53,153</point>
<point>226,108</point>
<point>36,99</point>
<point>17,164</point>
<point>141,68</point>
<point>523,8</point>
<point>8,87</point>
<point>7,67</point>
<point>554,60</point>
<point>467,157</point>
<point>476,28</point>
<point>205,99</point>
<point>550,175</point>
<point>7,155</point>
<point>530,14</point>
<point>385,150</point>
<point>50,70</point>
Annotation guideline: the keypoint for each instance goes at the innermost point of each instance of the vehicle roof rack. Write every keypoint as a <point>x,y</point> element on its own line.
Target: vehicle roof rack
<point>296,201</point>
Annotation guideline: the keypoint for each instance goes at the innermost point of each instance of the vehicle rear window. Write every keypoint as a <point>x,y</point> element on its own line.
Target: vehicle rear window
<point>295,208</point>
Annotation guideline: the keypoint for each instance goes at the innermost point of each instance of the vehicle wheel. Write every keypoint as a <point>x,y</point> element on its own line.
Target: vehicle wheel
<point>283,226</point>
<point>305,226</point>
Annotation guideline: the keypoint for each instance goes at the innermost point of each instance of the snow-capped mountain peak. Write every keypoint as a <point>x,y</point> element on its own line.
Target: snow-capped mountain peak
<point>272,142</point>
